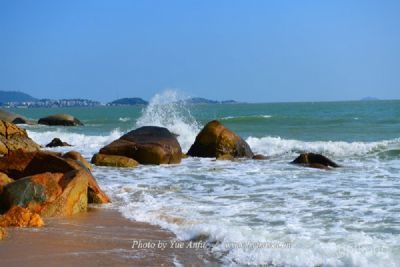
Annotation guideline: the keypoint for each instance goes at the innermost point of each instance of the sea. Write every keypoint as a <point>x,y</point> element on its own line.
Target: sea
<point>267,212</point>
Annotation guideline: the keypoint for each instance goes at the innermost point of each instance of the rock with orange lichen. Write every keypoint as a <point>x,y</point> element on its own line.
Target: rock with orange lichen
<point>78,157</point>
<point>20,217</point>
<point>3,234</point>
<point>48,194</point>
<point>13,138</point>
<point>19,164</point>
<point>217,141</point>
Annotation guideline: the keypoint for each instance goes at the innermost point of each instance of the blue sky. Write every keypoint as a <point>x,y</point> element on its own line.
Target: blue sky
<point>256,51</point>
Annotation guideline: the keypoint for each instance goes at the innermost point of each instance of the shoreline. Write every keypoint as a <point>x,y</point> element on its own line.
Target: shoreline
<point>99,237</point>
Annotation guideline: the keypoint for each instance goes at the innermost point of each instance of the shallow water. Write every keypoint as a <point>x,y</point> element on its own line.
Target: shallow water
<point>261,212</point>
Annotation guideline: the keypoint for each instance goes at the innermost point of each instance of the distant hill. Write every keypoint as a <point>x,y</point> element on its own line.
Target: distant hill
<point>14,96</point>
<point>229,102</point>
<point>128,102</point>
<point>200,100</point>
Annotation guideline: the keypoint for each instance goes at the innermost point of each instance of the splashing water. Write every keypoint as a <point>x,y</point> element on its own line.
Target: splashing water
<point>168,109</point>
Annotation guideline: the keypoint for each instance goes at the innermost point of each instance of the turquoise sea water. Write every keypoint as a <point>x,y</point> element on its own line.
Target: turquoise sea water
<point>310,121</point>
<point>344,217</point>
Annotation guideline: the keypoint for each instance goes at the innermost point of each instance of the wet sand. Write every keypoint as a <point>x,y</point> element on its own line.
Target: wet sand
<point>100,237</point>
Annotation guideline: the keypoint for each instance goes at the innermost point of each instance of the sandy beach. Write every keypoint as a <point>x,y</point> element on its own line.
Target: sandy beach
<point>100,237</point>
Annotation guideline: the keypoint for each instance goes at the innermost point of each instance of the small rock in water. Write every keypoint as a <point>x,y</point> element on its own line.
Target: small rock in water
<point>313,160</point>
<point>60,120</point>
<point>215,140</point>
<point>113,161</point>
<point>260,157</point>
<point>56,142</point>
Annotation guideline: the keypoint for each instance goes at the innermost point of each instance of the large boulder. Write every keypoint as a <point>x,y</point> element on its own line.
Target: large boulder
<point>14,138</point>
<point>313,160</point>
<point>20,217</point>
<point>74,155</point>
<point>215,141</point>
<point>21,164</point>
<point>56,142</point>
<point>60,120</point>
<point>12,117</point>
<point>48,194</point>
<point>147,145</point>
<point>113,161</point>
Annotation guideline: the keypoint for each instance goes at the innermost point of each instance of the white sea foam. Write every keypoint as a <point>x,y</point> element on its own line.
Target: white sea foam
<point>169,110</point>
<point>246,117</point>
<point>274,146</point>
<point>124,119</point>
<point>269,212</point>
<point>85,144</point>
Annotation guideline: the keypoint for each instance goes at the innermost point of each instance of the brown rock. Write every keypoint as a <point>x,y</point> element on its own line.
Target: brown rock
<point>48,194</point>
<point>60,120</point>
<point>14,138</point>
<point>260,157</point>
<point>4,180</point>
<point>313,160</point>
<point>226,157</point>
<point>74,155</point>
<point>147,145</point>
<point>20,217</point>
<point>3,233</point>
<point>21,164</point>
<point>216,140</point>
<point>12,117</point>
<point>113,161</point>
<point>56,142</point>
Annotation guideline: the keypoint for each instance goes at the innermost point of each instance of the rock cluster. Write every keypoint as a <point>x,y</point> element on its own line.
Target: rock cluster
<point>37,184</point>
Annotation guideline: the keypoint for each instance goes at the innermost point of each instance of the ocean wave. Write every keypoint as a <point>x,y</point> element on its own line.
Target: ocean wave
<point>241,118</point>
<point>263,217</point>
<point>275,146</point>
<point>87,145</point>
<point>168,110</point>
<point>124,119</point>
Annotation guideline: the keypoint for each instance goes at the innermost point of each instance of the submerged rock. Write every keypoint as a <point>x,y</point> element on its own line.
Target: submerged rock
<point>215,140</point>
<point>147,145</point>
<point>226,157</point>
<point>14,138</point>
<point>313,160</point>
<point>60,120</point>
<point>113,161</point>
<point>20,217</point>
<point>260,157</point>
<point>56,142</point>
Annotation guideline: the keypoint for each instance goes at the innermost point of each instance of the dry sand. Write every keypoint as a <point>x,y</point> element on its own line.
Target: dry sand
<point>100,237</point>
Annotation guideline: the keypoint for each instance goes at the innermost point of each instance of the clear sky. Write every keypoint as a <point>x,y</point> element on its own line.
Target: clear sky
<point>256,51</point>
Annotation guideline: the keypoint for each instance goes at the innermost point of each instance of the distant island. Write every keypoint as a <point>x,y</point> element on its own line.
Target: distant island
<point>128,102</point>
<point>14,99</point>
<point>199,100</point>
